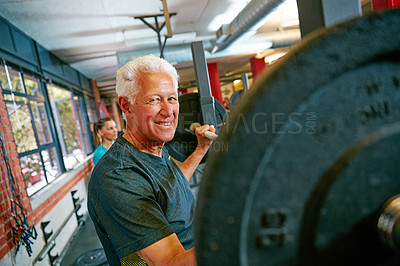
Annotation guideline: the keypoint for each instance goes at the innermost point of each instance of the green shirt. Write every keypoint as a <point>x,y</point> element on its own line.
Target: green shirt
<point>136,199</point>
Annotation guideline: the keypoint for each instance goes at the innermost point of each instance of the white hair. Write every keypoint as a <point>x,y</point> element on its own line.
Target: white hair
<point>128,77</point>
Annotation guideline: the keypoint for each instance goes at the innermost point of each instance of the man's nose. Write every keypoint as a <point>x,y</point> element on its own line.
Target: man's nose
<point>166,108</point>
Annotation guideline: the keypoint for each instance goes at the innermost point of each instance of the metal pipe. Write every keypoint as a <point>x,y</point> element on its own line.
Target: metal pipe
<point>255,12</point>
<point>50,245</point>
<point>58,261</point>
<point>245,82</point>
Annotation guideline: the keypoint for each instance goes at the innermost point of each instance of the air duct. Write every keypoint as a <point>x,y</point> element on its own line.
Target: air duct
<point>247,20</point>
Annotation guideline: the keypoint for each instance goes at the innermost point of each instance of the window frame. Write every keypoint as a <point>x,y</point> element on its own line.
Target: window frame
<point>79,109</point>
<point>29,99</point>
<point>56,117</point>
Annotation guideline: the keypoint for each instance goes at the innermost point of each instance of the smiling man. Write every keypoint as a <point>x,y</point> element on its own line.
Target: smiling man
<point>139,199</point>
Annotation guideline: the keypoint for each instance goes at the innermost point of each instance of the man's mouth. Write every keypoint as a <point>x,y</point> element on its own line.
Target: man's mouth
<point>164,124</point>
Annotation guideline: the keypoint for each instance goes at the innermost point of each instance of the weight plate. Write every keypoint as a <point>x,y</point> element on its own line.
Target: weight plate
<point>184,142</point>
<point>235,98</point>
<point>93,257</point>
<point>313,151</point>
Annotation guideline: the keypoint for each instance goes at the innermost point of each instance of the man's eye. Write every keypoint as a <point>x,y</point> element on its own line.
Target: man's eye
<point>172,99</point>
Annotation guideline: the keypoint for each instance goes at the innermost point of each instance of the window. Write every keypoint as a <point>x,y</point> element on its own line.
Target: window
<point>11,80</point>
<point>92,118</point>
<point>30,126</point>
<point>90,105</point>
<point>69,124</point>
<point>50,125</point>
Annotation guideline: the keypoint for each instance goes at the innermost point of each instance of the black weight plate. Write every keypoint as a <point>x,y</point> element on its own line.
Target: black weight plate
<point>93,257</point>
<point>184,142</point>
<point>235,98</point>
<point>313,150</point>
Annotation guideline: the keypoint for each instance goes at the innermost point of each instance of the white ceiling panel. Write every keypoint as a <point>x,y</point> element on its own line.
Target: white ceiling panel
<point>89,33</point>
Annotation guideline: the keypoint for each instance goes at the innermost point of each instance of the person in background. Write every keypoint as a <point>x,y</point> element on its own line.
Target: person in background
<point>139,200</point>
<point>226,104</point>
<point>105,132</point>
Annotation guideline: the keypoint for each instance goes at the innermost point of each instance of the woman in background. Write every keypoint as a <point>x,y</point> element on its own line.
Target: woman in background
<point>105,133</point>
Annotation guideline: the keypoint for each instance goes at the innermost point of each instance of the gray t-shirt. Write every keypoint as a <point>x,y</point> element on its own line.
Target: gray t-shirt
<point>136,199</point>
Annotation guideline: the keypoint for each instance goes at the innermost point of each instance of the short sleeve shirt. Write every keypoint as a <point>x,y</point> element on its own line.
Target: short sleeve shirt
<point>136,199</point>
<point>98,153</point>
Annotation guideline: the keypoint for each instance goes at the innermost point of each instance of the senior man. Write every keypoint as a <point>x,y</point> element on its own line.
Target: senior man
<point>139,199</point>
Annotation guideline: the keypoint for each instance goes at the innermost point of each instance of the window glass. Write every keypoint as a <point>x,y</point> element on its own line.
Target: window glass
<point>68,126</point>
<point>32,169</point>
<point>82,119</point>
<point>91,109</point>
<point>31,129</point>
<point>90,120</point>
<point>41,122</point>
<point>21,123</point>
<point>31,85</point>
<point>50,162</point>
<point>12,78</point>
<point>42,159</point>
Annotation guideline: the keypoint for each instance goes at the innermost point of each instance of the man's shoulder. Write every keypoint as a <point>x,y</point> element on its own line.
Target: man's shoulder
<point>118,164</point>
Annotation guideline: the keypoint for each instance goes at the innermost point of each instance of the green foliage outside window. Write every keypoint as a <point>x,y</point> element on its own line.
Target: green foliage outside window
<point>31,86</point>
<point>63,104</point>
<point>14,79</point>
<point>68,125</point>
<point>27,113</point>
<point>21,122</point>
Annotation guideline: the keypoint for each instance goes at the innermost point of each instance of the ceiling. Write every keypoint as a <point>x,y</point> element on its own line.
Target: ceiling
<point>97,36</point>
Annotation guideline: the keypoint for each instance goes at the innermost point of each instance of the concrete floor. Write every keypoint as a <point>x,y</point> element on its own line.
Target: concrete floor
<point>85,248</point>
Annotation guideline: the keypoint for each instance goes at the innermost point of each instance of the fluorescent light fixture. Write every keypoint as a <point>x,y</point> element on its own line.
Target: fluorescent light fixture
<point>244,45</point>
<point>237,82</point>
<point>248,47</point>
<point>290,24</point>
<point>120,36</point>
<point>272,58</point>
<point>225,18</point>
<point>275,12</point>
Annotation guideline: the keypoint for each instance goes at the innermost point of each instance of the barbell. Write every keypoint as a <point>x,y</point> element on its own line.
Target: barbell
<point>207,134</point>
<point>310,169</point>
<point>184,142</point>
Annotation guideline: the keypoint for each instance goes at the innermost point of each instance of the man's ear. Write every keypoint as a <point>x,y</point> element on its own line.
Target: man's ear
<point>124,104</point>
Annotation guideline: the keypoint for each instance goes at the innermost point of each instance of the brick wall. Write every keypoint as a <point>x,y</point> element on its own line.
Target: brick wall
<point>6,221</point>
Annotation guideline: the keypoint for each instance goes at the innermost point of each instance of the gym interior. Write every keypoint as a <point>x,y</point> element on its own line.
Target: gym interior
<point>305,166</point>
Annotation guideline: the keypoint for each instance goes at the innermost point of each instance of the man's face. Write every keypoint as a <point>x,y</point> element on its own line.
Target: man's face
<point>156,109</point>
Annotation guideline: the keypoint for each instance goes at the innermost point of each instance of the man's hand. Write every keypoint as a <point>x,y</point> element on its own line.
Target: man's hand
<point>203,142</point>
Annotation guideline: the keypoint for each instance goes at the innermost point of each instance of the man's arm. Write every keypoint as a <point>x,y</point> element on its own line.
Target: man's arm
<point>203,144</point>
<point>168,251</point>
